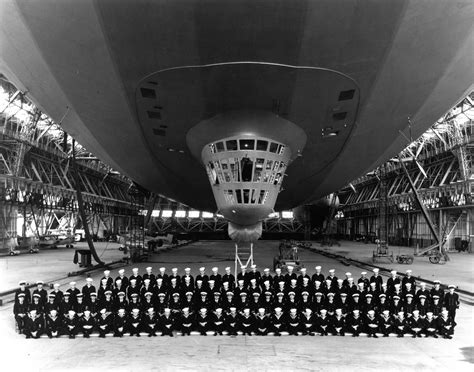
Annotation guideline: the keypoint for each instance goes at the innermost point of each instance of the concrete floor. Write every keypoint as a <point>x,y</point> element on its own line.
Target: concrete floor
<point>222,352</point>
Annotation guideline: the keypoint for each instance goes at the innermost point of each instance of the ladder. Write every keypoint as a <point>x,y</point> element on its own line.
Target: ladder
<point>243,257</point>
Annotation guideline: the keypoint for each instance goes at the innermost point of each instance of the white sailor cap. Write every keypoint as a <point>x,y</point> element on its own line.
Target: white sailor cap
<point>22,282</point>
<point>408,271</point>
<point>277,309</point>
<point>121,271</point>
<point>146,281</point>
<point>232,308</point>
<point>289,267</point>
<point>386,312</point>
<point>40,282</point>
<point>363,273</point>
<point>393,272</point>
<point>416,312</point>
<point>106,272</point>
<point>135,311</point>
<point>451,286</point>
<point>303,269</point>
<point>150,310</point>
<point>436,281</point>
<point>293,310</point>
<point>323,311</point>
<point>266,270</point>
<point>376,270</point>
<point>202,268</point>
<point>174,270</point>
<point>371,312</point>
<point>167,310</point>
<point>331,271</point>
<point>348,274</point>
<point>318,267</point>
<point>215,269</point>
<point>340,281</point>
<point>135,270</point>
<point>89,280</point>
<point>71,312</point>
<point>242,267</point>
<point>211,281</point>
<point>162,269</point>
<point>187,269</point>
<point>253,266</point>
<point>149,268</point>
<point>227,268</point>
<point>185,309</point>
<point>72,284</point>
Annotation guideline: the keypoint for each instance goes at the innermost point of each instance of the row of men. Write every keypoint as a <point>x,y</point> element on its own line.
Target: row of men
<point>218,321</point>
<point>254,301</point>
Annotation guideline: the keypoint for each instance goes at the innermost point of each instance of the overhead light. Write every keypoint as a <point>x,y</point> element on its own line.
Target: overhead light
<point>170,149</point>
<point>333,133</point>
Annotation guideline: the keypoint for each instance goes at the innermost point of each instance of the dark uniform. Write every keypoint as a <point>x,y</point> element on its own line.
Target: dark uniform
<point>446,325</point>
<point>247,322</point>
<point>167,323</point>
<point>135,323</point>
<point>33,326</point>
<point>87,324</point>
<point>20,310</point>
<point>451,302</point>
<point>150,323</point>
<point>104,323</point>
<point>400,325</point>
<point>386,323</point>
<point>354,323</point>
<point>120,324</point>
<point>53,325</point>
<point>218,322</point>
<point>71,324</point>
<point>371,324</point>
<point>232,322</point>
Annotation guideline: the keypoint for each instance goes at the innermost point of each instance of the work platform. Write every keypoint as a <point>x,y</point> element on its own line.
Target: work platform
<point>242,353</point>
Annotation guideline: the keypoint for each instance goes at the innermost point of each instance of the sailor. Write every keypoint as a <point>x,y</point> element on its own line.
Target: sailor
<point>174,285</point>
<point>71,324</point>
<point>355,303</point>
<point>218,320</point>
<point>354,323</point>
<point>58,294</point>
<point>93,305</point>
<point>291,302</point>
<point>254,287</point>
<point>422,291</point>
<point>361,290</point>
<point>318,302</point>
<point>24,291</point>
<point>175,304</point>
<point>120,301</point>
<point>278,321</point>
<point>200,287</point>
<point>266,277</point>
<point>369,303</point>
<point>415,324</point>
<point>174,275</point>
<point>373,290</point>
<point>254,303</point>
<point>324,323</point>
<point>149,303</point>
<point>340,287</point>
<point>430,326</point>
<point>123,278</point>
<point>382,304</point>
<point>254,273</point>
<point>377,279</point>
<point>343,303</point>
<point>120,323</point>
<point>188,300</point>
<point>371,324</point>
<point>202,301</point>
<point>37,305</point>
<point>400,324</point>
<point>266,286</point>
<point>20,310</point>
<point>408,279</point>
<point>162,275</point>
<point>228,302</point>
<point>363,279</point>
<point>66,305</point>
<point>277,279</point>
<point>108,302</point>
<point>135,322</point>
<point>108,279</point>
<point>261,322</point>
<point>318,276</point>
<point>53,324</point>
<point>338,323</point>
<point>437,291</point>
<point>332,277</point>
<point>33,326</point>
<point>186,322</point>
<point>187,280</point>
<point>330,305</point>
<point>103,288</point>
<point>211,286</point>
<point>87,323</point>
<point>203,321</point>
<point>394,279</point>
<point>351,287</point>
<point>150,322</point>
<point>396,306</point>
<point>345,281</point>
<point>160,287</point>
<point>451,301</point>
<point>243,275</point>
<point>80,306</point>
<point>305,302</point>
<point>247,322</point>
<point>422,306</point>
<point>51,304</point>
<point>397,291</point>
<point>242,302</point>
<point>149,275</point>
<point>136,276</point>
<point>446,325</point>
<point>435,306</point>
<point>104,323</point>
<point>161,304</point>
<point>73,292</point>
<point>131,289</point>
<point>216,277</point>
<point>232,322</point>
<point>409,289</point>
<point>386,323</point>
<point>146,287</point>
<point>229,277</point>
<point>408,305</point>
<point>87,289</point>
<point>41,291</point>
<point>187,285</point>
<point>202,276</point>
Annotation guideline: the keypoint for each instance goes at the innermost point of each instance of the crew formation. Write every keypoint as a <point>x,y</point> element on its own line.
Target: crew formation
<point>251,304</point>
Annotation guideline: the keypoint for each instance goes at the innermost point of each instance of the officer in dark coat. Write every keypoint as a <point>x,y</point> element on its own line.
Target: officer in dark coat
<point>24,291</point>
<point>53,324</point>
<point>20,310</point>
<point>451,301</point>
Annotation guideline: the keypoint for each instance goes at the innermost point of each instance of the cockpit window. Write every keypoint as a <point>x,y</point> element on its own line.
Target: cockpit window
<point>274,147</point>
<point>262,145</point>
<point>247,144</point>
<point>231,145</point>
<point>220,146</point>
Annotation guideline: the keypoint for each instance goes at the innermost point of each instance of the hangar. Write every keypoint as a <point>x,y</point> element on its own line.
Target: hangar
<point>236,169</point>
